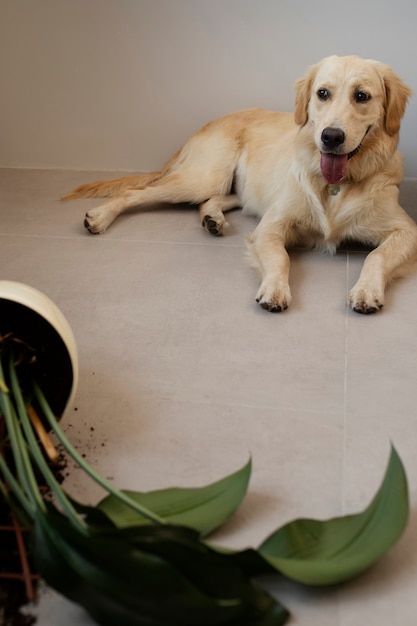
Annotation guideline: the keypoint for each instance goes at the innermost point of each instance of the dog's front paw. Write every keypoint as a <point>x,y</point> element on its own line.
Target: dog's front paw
<point>274,299</point>
<point>366,299</point>
<point>214,225</point>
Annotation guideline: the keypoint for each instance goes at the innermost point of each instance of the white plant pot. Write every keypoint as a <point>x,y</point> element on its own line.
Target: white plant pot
<point>35,319</point>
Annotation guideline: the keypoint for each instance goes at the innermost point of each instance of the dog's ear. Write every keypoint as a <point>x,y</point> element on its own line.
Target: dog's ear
<point>302,95</point>
<point>397,94</point>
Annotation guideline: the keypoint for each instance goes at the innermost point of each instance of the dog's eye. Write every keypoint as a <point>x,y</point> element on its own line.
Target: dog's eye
<point>323,94</point>
<point>361,96</point>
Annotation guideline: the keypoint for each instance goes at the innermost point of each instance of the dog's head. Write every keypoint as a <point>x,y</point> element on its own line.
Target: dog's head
<point>346,100</point>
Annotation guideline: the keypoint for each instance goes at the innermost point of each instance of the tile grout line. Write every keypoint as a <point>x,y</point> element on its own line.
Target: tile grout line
<point>125,240</point>
<point>345,389</point>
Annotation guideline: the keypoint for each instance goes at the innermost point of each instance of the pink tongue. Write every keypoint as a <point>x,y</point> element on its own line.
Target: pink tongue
<point>334,167</point>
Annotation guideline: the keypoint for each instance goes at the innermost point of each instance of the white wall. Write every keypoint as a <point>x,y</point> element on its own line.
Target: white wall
<point>120,84</point>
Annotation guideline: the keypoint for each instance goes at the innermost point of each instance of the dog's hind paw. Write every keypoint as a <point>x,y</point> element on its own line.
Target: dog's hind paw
<point>88,227</point>
<point>91,227</point>
<point>214,225</point>
<point>95,223</point>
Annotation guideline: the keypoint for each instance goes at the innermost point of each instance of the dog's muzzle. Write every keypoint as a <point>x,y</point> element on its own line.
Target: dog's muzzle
<point>333,163</point>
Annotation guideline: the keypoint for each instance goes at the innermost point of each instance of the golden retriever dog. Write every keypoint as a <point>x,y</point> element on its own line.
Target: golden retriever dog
<point>327,173</point>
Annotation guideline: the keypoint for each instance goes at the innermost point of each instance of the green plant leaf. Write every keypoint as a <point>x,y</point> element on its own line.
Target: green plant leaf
<point>148,575</point>
<point>201,508</point>
<point>328,552</point>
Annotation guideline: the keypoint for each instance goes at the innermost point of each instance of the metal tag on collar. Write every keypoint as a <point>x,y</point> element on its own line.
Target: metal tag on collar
<point>333,190</point>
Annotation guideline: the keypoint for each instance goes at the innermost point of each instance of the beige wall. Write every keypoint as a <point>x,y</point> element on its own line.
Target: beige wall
<point>119,84</point>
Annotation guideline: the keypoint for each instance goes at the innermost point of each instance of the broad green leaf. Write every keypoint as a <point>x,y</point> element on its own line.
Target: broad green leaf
<point>328,552</point>
<point>148,575</point>
<point>201,508</point>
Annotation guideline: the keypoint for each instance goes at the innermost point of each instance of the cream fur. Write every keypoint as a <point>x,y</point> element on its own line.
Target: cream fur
<point>269,164</point>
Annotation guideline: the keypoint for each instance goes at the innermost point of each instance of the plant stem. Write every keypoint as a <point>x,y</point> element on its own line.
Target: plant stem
<point>53,423</point>
<point>15,488</point>
<point>38,457</point>
<point>15,444</point>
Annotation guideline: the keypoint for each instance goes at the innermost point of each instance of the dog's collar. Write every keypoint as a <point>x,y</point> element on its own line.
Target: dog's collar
<point>356,150</point>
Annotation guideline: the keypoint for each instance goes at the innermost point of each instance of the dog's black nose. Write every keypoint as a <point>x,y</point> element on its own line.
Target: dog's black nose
<point>332,138</point>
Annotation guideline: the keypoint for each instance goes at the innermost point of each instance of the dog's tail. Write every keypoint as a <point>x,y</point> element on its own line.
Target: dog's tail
<point>108,188</point>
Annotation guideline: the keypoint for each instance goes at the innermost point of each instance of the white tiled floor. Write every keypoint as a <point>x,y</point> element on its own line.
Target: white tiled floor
<point>183,375</point>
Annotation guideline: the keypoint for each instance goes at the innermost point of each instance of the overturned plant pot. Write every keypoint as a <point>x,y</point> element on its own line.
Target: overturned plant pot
<point>44,349</point>
<point>31,319</point>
